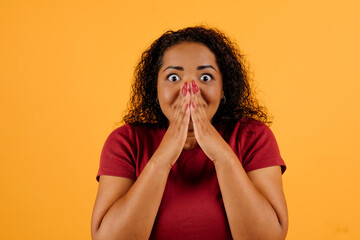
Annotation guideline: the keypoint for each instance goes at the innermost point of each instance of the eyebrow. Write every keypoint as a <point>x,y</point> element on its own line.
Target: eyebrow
<point>182,69</point>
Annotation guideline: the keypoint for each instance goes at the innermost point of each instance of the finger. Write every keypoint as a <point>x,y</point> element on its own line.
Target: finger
<point>177,105</point>
<point>186,107</point>
<point>195,102</point>
<point>200,103</point>
<point>180,107</point>
<point>187,111</point>
<point>193,110</point>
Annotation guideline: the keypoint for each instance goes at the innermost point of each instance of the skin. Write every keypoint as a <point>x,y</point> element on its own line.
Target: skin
<point>254,201</point>
<point>171,81</point>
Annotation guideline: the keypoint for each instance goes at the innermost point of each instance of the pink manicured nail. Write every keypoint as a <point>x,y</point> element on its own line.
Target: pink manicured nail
<point>187,105</point>
<point>194,86</point>
<point>184,90</point>
<point>193,104</point>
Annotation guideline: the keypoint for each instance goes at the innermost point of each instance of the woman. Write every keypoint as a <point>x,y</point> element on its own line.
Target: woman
<point>194,159</point>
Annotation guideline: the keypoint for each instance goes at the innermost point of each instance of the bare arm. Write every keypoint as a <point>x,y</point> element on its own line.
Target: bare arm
<point>255,203</point>
<point>132,216</point>
<point>125,209</point>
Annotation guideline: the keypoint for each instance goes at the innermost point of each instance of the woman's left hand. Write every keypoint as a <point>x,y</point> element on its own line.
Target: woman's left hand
<point>208,138</point>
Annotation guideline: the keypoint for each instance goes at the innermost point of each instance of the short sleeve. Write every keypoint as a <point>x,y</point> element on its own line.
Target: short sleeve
<point>118,154</point>
<point>259,147</point>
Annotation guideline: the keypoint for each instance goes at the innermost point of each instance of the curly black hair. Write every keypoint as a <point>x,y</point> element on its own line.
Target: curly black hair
<point>240,97</point>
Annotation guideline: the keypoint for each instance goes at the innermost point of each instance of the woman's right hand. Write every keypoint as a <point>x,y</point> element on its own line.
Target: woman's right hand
<point>175,137</point>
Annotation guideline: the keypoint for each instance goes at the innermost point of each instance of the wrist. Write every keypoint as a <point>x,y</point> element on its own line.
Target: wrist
<point>159,161</point>
<point>225,158</point>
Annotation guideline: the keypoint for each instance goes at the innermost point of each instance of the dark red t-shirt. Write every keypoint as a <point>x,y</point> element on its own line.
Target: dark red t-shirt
<point>192,206</point>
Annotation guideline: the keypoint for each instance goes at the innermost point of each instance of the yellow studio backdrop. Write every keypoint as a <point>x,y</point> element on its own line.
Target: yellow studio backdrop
<point>66,69</point>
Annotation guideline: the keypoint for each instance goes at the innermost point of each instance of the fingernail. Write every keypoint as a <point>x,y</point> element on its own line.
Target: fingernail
<point>187,105</point>
<point>194,86</point>
<point>193,104</point>
<point>184,90</point>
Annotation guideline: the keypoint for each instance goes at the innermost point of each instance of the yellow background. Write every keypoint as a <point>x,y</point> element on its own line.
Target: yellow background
<point>66,69</point>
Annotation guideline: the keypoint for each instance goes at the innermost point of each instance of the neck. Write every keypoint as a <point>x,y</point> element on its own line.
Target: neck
<point>190,142</point>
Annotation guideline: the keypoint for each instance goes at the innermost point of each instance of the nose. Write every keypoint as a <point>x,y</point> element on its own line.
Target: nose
<point>186,85</point>
<point>190,82</point>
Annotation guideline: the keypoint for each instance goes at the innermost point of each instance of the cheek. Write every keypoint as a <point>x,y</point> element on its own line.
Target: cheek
<point>167,97</point>
<point>211,95</point>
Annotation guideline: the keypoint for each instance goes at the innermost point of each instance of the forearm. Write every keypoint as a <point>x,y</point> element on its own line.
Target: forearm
<point>249,213</point>
<point>133,215</point>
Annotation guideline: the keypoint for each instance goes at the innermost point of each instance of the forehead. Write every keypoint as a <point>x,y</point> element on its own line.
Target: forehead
<point>189,51</point>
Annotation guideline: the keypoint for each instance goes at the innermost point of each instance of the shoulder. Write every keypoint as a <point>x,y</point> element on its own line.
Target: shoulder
<point>125,131</point>
<point>135,133</point>
<point>250,127</point>
<point>125,128</point>
<point>251,123</point>
<point>130,129</point>
<point>251,130</point>
<point>255,127</point>
<point>258,145</point>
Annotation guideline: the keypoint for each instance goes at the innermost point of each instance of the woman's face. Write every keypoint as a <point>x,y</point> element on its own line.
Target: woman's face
<point>182,63</point>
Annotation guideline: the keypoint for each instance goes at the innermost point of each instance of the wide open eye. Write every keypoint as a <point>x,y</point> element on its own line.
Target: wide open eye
<point>173,77</point>
<point>207,77</point>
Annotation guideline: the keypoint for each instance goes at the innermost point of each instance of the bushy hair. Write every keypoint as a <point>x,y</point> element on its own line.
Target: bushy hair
<point>240,97</point>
